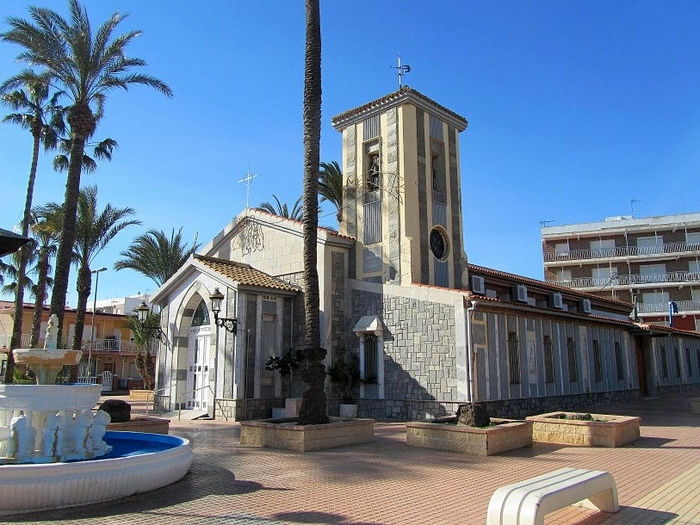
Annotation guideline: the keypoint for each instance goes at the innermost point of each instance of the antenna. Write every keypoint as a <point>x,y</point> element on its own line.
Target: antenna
<point>632,205</point>
<point>247,180</point>
<point>401,70</point>
<point>545,223</point>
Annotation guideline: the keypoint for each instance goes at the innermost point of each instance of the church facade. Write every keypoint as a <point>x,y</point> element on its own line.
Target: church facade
<point>431,330</point>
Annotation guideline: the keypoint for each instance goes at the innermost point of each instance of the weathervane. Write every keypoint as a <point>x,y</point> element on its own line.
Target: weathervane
<point>401,70</point>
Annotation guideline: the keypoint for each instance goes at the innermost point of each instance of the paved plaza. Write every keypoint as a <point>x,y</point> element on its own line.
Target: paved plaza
<point>387,482</point>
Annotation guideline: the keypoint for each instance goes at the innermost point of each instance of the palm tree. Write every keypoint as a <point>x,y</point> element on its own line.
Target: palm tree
<point>330,186</point>
<point>87,65</point>
<point>40,113</point>
<point>46,230</point>
<point>297,212</point>
<point>95,229</point>
<point>101,150</point>
<point>155,256</point>
<point>9,270</point>
<point>143,335</point>
<point>313,406</point>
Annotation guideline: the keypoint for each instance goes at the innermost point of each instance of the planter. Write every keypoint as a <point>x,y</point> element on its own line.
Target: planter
<point>347,410</point>
<point>603,431</point>
<point>152,425</point>
<point>285,434</point>
<point>141,395</point>
<point>506,435</point>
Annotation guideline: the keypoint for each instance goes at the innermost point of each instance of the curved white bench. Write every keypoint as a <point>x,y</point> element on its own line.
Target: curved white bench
<point>528,501</point>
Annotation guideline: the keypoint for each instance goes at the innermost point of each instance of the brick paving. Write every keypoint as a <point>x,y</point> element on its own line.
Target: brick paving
<point>387,482</point>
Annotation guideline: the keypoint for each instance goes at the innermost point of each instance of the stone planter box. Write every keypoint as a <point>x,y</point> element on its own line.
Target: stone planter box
<point>285,434</point>
<point>604,431</point>
<point>153,425</point>
<point>507,435</point>
<point>141,395</point>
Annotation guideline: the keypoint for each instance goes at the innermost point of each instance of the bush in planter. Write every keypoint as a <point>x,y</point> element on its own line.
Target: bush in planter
<point>345,373</point>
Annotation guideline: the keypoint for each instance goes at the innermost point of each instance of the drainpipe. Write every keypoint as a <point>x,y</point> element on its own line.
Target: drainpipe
<point>470,360</point>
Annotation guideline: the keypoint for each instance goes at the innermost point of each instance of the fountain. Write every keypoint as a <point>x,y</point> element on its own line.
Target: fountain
<point>50,439</point>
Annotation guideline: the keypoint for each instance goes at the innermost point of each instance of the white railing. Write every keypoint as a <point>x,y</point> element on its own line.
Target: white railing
<point>628,279</point>
<point>621,251</point>
<point>683,306</point>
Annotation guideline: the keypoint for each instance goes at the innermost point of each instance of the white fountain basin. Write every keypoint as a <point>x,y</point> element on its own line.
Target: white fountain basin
<point>35,487</point>
<point>48,398</point>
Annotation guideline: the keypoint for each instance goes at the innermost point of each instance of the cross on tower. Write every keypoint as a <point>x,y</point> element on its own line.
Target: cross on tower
<point>247,180</point>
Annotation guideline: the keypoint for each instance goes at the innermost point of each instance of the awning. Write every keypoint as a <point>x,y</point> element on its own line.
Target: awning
<point>10,242</point>
<point>369,323</point>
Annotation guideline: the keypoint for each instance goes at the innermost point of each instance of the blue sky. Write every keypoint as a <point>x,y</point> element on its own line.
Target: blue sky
<point>575,109</point>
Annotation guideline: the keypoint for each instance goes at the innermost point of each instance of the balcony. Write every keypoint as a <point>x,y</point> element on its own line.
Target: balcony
<point>621,251</point>
<point>629,280</point>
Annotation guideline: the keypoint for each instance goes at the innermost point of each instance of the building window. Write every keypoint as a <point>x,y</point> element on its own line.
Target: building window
<point>513,358</point>
<point>603,248</point>
<point>561,249</point>
<point>548,360</point>
<point>678,355</point>
<point>371,371</point>
<point>439,243</point>
<point>373,174</point>
<point>573,362</point>
<point>619,362</point>
<point>597,361</point>
<point>648,245</point>
<point>664,363</point>
<point>688,362</point>
<point>201,315</point>
<point>603,276</point>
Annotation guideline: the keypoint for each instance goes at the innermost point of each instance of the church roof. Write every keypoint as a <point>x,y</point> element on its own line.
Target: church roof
<point>397,98</point>
<point>244,274</point>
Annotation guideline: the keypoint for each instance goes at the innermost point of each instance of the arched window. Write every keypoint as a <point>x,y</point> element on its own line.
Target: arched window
<point>201,314</point>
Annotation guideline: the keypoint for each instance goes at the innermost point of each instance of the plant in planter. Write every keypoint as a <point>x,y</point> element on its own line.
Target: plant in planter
<point>471,431</point>
<point>345,373</point>
<point>286,364</point>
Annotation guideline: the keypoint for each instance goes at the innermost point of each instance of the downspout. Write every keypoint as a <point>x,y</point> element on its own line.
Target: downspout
<point>470,359</point>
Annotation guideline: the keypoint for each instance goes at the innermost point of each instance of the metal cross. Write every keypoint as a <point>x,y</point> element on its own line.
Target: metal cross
<point>247,180</point>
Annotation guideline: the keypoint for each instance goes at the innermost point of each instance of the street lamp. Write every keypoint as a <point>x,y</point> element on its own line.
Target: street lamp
<point>229,324</point>
<point>92,326</point>
<point>142,312</point>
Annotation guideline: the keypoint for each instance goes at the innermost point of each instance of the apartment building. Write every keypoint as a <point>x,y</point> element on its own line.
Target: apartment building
<point>651,262</point>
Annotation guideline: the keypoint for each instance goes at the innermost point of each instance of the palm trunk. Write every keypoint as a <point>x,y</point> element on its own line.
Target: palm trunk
<point>84,287</point>
<point>313,407</point>
<point>16,339</point>
<point>82,123</point>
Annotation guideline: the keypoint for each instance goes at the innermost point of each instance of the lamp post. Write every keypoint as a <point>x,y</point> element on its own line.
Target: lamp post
<point>92,326</point>
<point>230,324</point>
<point>142,312</point>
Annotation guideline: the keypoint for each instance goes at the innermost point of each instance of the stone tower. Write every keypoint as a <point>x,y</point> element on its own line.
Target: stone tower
<point>402,198</point>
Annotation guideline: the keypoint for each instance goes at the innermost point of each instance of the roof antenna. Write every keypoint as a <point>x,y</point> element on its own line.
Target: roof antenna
<point>401,70</point>
<point>632,206</point>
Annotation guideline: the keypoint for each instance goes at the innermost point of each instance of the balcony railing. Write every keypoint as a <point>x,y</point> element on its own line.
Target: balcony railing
<point>100,345</point>
<point>621,251</point>
<point>662,308</point>
<point>629,280</point>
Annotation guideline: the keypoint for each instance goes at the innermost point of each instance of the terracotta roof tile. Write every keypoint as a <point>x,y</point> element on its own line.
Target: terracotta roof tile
<point>245,274</point>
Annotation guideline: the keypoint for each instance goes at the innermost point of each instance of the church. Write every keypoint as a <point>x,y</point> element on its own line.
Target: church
<point>431,330</point>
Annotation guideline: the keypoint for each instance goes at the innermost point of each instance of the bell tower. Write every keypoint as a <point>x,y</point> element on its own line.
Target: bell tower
<point>402,198</point>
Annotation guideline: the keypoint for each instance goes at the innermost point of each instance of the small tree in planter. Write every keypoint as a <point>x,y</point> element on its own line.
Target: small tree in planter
<point>345,373</point>
<point>286,364</point>
<point>142,333</point>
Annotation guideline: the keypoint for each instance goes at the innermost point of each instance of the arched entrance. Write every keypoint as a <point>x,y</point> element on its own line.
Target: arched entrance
<point>198,359</point>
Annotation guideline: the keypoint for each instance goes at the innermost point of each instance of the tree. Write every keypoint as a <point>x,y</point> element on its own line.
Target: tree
<point>142,334</point>
<point>296,213</point>
<point>41,114</point>
<point>330,186</point>
<point>155,256</point>
<point>9,270</point>
<point>46,230</point>
<point>94,230</point>
<point>87,65</point>
<point>313,405</point>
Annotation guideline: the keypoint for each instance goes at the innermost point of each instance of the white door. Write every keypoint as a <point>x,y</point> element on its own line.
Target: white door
<point>198,368</point>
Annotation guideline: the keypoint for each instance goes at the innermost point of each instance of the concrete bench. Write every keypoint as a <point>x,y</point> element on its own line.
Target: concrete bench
<point>528,501</point>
